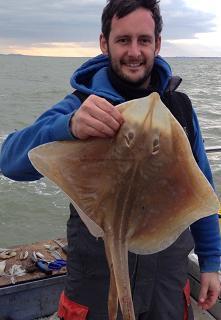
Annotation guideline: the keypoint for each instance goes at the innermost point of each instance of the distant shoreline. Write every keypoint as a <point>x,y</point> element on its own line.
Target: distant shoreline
<point>176,57</point>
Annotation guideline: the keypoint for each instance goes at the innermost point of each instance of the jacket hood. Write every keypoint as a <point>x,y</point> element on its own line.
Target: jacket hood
<point>92,77</point>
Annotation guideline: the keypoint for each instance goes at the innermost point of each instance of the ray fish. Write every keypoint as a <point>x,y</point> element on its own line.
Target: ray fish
<point>138,191</point>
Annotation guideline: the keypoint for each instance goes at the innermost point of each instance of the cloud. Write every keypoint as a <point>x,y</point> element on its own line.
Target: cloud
<point>45,21</point>
<point>34,23</point>
<point>182,22</point>
<point>69,20</point>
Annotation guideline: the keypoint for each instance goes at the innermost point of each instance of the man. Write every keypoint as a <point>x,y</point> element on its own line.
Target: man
<point>129,68</point>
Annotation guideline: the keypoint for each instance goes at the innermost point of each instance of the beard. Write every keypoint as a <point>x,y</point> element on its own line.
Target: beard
<point>138,82</point>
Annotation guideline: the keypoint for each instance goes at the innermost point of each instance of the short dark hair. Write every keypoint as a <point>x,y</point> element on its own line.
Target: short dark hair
<point>121,8</point>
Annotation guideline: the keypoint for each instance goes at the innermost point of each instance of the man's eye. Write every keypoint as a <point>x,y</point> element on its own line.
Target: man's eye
<point>123,40</point>
<point>145,41</point>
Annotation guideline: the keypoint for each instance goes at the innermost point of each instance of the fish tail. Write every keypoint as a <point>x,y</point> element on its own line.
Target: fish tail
<point>119,265</point>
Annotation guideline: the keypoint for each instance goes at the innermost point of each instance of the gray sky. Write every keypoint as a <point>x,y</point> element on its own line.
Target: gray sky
<point>70,27</point>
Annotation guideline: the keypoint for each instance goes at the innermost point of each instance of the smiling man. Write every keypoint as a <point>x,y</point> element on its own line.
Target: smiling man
<point>132,47</point>
<point>129,68</point>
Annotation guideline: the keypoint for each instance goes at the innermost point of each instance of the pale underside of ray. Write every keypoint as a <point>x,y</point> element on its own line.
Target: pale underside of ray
<point>138,191</point>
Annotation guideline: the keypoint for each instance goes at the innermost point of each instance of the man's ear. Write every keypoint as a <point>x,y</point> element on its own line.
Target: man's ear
<point>103,44</point>
<point>157,45</point>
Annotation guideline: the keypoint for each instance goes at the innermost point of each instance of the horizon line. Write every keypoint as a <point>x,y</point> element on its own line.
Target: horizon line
<point>45,56</point>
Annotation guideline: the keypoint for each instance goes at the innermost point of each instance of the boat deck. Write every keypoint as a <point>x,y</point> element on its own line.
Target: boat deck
<point>36,295</point>
<point>37,275</point>
<point>33,295</point>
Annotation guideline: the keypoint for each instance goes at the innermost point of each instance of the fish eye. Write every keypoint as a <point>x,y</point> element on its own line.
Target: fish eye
<point>129,137</point>
<point>156,146</point>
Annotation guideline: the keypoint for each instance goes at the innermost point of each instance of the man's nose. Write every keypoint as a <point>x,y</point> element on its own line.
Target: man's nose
<point>134,49</point>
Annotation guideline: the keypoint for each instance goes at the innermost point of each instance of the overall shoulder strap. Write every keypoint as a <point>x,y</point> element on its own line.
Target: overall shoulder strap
<point>180,106</point>
<point>81,96</point>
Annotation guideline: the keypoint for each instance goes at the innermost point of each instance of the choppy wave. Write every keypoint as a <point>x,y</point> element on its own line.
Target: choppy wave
<point>3,136</point>
<point>40,187</point>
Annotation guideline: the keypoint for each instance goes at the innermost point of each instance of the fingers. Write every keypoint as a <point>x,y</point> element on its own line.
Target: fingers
<point>106,112</point>
<point>96,118</point>
<point>210,290</point>
<point>207,302</point>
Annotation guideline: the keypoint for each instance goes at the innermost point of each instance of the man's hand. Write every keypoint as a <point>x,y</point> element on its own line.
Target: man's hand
<point>96,118</point>
<point>210,289</point>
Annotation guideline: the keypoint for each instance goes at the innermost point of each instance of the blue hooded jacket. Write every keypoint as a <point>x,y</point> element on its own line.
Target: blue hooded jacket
<point>53,125</point>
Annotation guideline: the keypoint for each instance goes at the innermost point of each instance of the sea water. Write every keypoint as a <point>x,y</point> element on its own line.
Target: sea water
<point>32,211</point>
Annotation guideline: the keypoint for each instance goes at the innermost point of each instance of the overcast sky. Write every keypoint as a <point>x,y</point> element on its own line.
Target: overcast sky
<point>72,27</point>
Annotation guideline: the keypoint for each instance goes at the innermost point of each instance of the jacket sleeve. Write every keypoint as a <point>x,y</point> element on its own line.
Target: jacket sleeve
<point>205,231</point>
<point>53,125</point>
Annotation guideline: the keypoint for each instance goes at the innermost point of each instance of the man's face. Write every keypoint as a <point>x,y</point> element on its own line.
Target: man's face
<point>132,46</point>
